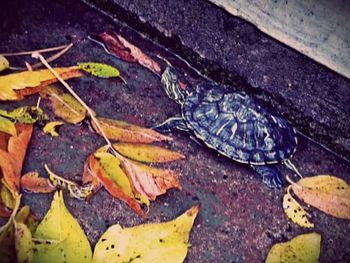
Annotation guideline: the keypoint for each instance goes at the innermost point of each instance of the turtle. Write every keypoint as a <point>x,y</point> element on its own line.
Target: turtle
<point>233,124</point>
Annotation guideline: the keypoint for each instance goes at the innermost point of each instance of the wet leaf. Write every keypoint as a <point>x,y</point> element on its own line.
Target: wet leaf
<point>294,211</point>
<point>99,69</point>
<point>75,190</point>
<point>25,115</point>
<point>23,243</point>
<point>301,249</point>
<point>7,126</point>
<point>148,243</point>
<point>126,132</point>
<point>4,63</point>
<point>32,182</point>
<point>64,105</point>
<point>50,128</point>
<point>147,153</point>
<point>18,85</point>
<point>329,194</point>
<point>59,237</point>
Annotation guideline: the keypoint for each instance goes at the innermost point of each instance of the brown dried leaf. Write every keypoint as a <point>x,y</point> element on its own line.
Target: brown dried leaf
<point>126,132</point>
<point>32,182</point>
<point>8,172</point>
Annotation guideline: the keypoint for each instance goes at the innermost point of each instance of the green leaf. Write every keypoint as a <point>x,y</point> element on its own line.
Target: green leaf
<point>7,126</point>
<point>6,197</point>
<point>148,243</point>
<point>50,128</point>
<point>59,237</point>
<point>4,63</point>
<point>301,249</point>
<point>26,114</point>
<point>23,243</point>
<point>99,69</point>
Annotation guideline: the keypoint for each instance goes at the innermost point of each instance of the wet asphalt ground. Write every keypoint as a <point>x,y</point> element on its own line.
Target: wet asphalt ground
<point>240,218</point>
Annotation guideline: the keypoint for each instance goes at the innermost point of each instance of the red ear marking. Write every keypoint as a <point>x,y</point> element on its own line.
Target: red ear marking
<point>182,85</point>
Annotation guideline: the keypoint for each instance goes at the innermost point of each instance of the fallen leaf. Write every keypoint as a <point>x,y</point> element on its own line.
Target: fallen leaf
<point>32,182</point>
<point>301,249</point>
<point>26,216</point>
<point>99,69</point>
<point>6,197</point>
<point>329,194</point>
<point>18,85</point>
<point>126,132</point>
<point>4,63</point>
<point>148,243</point>
<point>23,243</point>
<point>294,211</point>
<point>64,105</point>
<point>88,176</point>
<point>147,153</point>
<point>50,128</point>
<point>25,115</point>
<point>7,126</point>
<point>8,172</point>
<point>75,190</point>
<point>123,49</point>
<point>59,237</point>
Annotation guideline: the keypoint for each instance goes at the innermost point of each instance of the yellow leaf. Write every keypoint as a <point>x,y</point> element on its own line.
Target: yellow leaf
<point>126,132</point>
<point>6,197</point>
<point>10,85</point>
<point>294,211</point>
<point>301,249</point>
<point>4,63</point>
<point>23,243</point>
<point>147,153</point>
<point>327,193</point>
<point>7,126</point>
<point>64,105</point>
<point>59,237</point>
<point>148,243</point>
<point>50,128</point>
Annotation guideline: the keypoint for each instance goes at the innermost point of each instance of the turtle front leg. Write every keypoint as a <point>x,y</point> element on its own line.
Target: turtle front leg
<point>171,124</point>
<point>271,175</point>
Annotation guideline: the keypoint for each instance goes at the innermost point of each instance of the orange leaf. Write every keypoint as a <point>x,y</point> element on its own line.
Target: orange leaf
<point>126,132</point>
<point>8,172</point>
<point>31,182</point>
<point>147,153</point>
<point>111,187</point>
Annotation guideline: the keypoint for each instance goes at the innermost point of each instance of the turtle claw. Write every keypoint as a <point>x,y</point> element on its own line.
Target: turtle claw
<point>271,176</point>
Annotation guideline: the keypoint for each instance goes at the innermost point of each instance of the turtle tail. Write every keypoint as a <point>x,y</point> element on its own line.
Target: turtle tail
<point>292,167</point>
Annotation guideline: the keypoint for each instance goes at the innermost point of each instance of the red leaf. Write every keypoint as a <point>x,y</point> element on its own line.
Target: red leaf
<point>31,182</point>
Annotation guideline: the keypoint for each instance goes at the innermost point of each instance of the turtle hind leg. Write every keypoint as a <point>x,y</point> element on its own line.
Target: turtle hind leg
<point>171,124</point>
<point>271,176</point>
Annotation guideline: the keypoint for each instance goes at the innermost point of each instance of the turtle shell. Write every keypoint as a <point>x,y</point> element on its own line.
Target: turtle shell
<point>236,126</point>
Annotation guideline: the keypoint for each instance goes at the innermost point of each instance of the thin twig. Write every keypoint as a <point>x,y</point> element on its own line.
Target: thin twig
<point>91,113</point>
<point>28,66</point>
<point>31,52</point>
<point>293,183</point>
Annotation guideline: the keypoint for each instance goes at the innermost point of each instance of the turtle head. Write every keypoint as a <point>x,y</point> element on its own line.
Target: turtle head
<point>174,87</point>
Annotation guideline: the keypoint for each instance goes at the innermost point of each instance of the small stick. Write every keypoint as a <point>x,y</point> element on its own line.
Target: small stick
<point>31,52</point>
<point>293,183</point>
<point>29,67</point>
<point>94,119</point>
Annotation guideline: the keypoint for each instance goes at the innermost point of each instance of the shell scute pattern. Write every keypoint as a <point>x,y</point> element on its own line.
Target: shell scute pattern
<point>233,124</point>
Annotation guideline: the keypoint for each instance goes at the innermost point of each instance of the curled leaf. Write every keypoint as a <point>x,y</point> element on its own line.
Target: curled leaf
<point>4,63</point>
<point>126,132</point>
<point>329,194</point>
<point>18,85</point>
<point>32,182</point>
<point>302,249</point>
<point>60,237</point>
<point>99,69</point>
<point>148,243</point>
<point>294,211</point>
<point>64,105</point>
<point>50,128</point>
<point>7,126</point>
<point>147,153</point>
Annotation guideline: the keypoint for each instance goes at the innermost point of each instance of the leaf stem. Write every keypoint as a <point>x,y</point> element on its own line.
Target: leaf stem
<point>33,51</point>
<point>91,113</point>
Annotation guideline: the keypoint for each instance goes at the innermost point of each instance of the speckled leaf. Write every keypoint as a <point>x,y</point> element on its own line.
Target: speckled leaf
<point>329,194</point>
<point>23,243</point>
<point>18,85</point>
<point>62,238</point>
<point>25,115</point>
<point>99,69</point>
<point>294,211</point>
<point>301,249</point>
<point>32,182</point>
<point>148,243</point>
<point>50,128</point>
<point>4,63</point>
<point>7,126</point>
<point>64,105</point>
<point>126,132</point>
<point>147,153</point>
